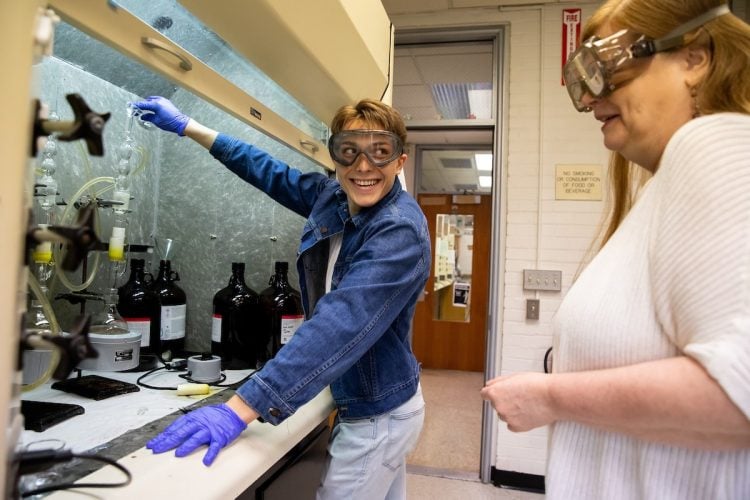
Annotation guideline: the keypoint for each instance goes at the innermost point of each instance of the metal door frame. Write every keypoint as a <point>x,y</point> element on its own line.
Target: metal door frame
<point>499,35</point>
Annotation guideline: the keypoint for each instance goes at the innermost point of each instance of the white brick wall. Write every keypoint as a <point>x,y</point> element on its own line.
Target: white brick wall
<point>543,130</point>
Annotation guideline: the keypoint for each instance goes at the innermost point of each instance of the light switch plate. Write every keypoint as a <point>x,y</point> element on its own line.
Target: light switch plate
<point>536,279</point>
<point>532,308</point>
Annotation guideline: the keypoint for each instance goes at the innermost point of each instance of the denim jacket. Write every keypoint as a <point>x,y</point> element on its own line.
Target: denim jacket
<point>355,337</point>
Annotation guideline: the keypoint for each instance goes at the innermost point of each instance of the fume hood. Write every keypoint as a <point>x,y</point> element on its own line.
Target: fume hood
<point>282,67</point>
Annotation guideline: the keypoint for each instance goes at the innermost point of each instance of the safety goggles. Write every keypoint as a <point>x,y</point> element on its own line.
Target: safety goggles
<point>380,147</point>
<point>592,67</point>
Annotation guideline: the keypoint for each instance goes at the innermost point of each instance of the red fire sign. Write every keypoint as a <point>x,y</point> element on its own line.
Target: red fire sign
<point>571,34</point>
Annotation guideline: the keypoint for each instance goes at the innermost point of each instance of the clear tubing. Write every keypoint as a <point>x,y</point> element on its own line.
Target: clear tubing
<point>66,214</point>
<point>36,289</point>
<point>83,188</point>
<point>121,186</point>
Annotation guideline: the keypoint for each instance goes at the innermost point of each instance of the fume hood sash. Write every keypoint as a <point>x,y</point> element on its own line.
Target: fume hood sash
<point>121,30</point>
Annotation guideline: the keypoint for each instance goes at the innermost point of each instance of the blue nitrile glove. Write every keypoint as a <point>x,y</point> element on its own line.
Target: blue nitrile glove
<point>216,426</point>
<point>165,115</point>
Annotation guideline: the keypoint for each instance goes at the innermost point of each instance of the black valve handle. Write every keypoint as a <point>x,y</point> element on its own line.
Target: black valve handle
<point>87,125</point>
<point>80,238</point>
<point>74,348</point>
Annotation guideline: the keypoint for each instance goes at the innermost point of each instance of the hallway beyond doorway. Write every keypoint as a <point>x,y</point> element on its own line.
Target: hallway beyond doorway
<point>451,438</point>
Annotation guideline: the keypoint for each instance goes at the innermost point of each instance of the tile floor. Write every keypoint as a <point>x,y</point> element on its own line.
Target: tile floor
<point>445,463</point>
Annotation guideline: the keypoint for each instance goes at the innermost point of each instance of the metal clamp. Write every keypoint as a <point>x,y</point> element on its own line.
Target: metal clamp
<point>153,43</point>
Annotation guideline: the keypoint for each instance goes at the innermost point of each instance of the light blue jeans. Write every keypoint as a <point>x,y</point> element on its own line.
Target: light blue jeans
<point>367,457</point>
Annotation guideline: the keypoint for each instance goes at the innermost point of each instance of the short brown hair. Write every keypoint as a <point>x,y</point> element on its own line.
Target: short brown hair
<point>372,112</point>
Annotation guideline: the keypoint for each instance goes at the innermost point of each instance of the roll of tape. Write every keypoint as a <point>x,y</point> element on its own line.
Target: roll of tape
<point>205,368</point>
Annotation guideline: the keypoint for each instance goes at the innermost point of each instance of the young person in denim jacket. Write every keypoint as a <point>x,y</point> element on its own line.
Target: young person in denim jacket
<point>364,258</point>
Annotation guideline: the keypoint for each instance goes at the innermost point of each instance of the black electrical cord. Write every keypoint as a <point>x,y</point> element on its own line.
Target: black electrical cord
<point>186,376</point>
<point>548,361</point>
<point>180,365</point>
<point>241,381</point>
<point>174,366</point>
<point>35,460</point>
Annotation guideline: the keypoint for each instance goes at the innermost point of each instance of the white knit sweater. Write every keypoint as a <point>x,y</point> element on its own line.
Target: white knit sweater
<point>673,280</point>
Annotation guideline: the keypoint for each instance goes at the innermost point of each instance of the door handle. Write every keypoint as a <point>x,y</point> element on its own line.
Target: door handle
<point>309,145</point>
<point>153,43</point>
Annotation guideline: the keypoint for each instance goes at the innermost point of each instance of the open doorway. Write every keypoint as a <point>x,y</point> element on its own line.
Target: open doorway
<point>446,87</point>
<point>450,327</point>
<point>450,322</point>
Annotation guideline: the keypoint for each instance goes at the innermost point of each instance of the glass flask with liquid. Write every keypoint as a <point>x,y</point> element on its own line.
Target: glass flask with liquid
<point>281,306</point>
<point>173,310</point>
<point>236,313</point>
<point>139,306</point>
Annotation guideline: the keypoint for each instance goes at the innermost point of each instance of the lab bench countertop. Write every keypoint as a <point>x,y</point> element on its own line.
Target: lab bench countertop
<point>118,427</point>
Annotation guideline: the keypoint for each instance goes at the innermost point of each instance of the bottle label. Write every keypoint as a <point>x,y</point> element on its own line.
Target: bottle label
<point>289,325</point>
<point>142,326</point>
<point>173,322</point>
<point>216,328</point>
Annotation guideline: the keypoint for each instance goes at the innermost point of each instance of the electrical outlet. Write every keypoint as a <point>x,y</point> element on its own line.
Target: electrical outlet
<point>532,308</point>
<point>535,279</point>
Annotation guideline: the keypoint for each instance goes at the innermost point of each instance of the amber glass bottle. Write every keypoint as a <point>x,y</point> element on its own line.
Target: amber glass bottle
<point>282,311</point>
<point>236,316</point>
<point>173,309</point>
<point>140,307</point>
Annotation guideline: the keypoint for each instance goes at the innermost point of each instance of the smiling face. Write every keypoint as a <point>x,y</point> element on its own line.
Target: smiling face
<point>650,102</point>
<point>365,184</point>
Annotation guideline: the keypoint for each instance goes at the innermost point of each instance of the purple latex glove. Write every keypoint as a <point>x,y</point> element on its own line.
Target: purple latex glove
<point>216,426</point>
<point>164,114</point>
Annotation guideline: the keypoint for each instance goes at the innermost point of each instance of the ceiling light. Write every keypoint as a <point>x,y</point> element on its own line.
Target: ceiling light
<point>480,103</point>
<point>483,161</point>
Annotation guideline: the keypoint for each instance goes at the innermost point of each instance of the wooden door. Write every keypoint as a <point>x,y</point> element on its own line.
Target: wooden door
<point>450,321</point>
